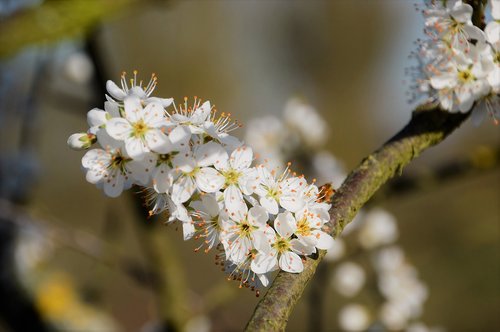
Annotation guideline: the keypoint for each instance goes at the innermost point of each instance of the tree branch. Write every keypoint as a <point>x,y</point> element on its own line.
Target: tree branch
<point>429,126</point>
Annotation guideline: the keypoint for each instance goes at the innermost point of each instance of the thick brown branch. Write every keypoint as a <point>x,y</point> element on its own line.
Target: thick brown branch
<point>426,128</point>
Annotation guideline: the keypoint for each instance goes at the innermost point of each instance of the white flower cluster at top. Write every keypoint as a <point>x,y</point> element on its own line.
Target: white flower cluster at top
<point>191,166</point>
<point>459,64</point>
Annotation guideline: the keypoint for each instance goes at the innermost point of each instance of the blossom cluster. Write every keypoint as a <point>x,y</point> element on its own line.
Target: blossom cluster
<point>183,155</point>
<point>459,64</point>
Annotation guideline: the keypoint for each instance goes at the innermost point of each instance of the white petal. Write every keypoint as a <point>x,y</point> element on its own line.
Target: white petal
<point>284,224</point>
<point>241,158</point>
<point>478,113</point>
<point>179,137</point>
<point>183,189</point>
<point>96,117</point>
<point>292,203</point>
<point>291,262</point>
<point>184,161</point>
<point>235,204</point>
<point>325,241</point>
<point>494,78</point>
<point>112,108</point>
<point>473,32</point>
<point>257,215</point>
<point>119,128</point>
<point>135,148</point>
<point>153,113</point>
<point>229,141</point>
<point>157,141</point>
<point>164,102</point>
<point>269,204</point>
<point>461,12</point>
<point>188,230</point>
<point>264,263</point>
<point>202,113</point>
<point>90,158</point>
<point>209,180</point>
<point>262,239</point>
<point>113,186</point>
<point>209,154</point>
<point>139,172</point>
<point>238,250</point>
<point>442,81</point>
<point>133,108</point>
<point>302,248</point>
<point>115,91</point>
<point>162,178</point>
<point>248,181</point>
<point>210,205</point>
<point>94,175</point>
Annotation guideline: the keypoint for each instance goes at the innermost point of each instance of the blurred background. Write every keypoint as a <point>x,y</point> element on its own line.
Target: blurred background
<point>74,260</point>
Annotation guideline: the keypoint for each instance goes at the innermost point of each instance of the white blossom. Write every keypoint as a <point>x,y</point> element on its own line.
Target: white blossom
<point>136,89</point>
<point>379,228</point>
<point>306,121</point>
<point>348,279</point>
<point>354,317</point>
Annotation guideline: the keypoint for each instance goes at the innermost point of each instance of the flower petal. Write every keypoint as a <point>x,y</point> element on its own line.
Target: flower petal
<point>241,158</point>
<point>157,141</point>
<point>115,91</point>
<point>284,224</point>
<point>179,137</point>
<point>209,180</point>
<point>209,154</point>
<point>183,189</point>
<point>325,241</point>
<point>153,113</point>
<point>257,215</point>
<point>291,262</point>
<point>113,186</point>
<point>119,128</point>
<point>184,162</point>
<point>133,108</point>
<point>269,204</point>
<point>235,204</point>
<point>135,148</point>
<point>162,178</point>
<point>264,262</point>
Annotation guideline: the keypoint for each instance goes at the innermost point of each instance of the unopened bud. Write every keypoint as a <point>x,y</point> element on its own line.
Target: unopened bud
<point>81,141</point>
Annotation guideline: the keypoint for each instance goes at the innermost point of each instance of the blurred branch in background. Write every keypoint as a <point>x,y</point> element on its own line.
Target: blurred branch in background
<point>53,21</point>
<point>167,278</point>
<point>17,310</point>
<point>482,160</point>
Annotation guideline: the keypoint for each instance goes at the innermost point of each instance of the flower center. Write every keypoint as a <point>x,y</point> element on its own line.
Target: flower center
<point>139,129</point>
<point>281,245</point>
<point>245,229</point>
<point>274,193</point>
<point>231,177</point>
<point>165,159</point>
<point>465,76</point>
<point>193,172</point>
<point>118,162</point>
<point>303,227</point>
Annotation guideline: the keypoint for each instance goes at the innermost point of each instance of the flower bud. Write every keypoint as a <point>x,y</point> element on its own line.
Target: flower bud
<point>81,141</point>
